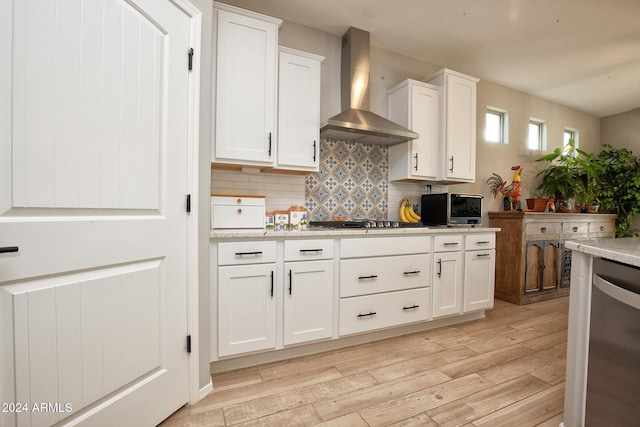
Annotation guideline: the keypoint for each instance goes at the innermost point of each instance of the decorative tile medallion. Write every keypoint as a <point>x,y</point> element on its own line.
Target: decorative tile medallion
<point>351,182</point>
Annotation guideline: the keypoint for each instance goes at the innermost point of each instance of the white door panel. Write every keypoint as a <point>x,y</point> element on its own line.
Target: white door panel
<point>93,195</point>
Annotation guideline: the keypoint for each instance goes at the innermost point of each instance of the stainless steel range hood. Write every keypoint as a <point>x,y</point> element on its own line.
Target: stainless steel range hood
<point>356,122</point>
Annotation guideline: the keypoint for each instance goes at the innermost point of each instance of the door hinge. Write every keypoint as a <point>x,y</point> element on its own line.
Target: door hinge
<point>190,59</point>
<point>188,203</point>
<point>188,343</point>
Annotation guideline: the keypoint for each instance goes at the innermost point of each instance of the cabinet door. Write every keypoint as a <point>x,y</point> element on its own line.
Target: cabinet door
<point>246,308</point>
<point>541,269</point>
<point>417,107</point>
<point>447,283</point>
<point>460,129</point>
<point>308,301</point>
<point>298,111</point>
<point>479,279</point>
<point>245,89</point>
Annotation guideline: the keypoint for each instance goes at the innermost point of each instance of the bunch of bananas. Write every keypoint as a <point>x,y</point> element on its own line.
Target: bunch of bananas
<point>407,214</point>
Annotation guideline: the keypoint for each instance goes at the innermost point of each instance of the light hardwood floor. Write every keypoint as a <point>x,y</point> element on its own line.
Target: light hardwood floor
<point>505,370</point>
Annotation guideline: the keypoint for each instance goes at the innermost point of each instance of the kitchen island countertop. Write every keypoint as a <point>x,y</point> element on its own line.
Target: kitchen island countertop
<point>326,232</point>
<point>626,250</point>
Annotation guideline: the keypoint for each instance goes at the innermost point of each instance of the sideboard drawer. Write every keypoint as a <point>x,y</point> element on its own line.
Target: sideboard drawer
<point>602,229</point>
<point>575,230</point>
<point>543,230</point>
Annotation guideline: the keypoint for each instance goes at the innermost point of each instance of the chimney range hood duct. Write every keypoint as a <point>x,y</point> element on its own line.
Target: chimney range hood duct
<point>356,122</point>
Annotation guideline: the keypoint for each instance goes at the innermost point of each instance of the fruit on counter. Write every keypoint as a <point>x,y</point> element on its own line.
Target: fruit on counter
<point>406,212</point>
<point>411,215</point>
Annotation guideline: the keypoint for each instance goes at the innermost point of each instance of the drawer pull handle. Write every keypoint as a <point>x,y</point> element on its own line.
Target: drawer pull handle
<point>373,276</point>
<point>7,249</point>
<point>451,244</point>
<point>248,253</point>
<point>483,243</point>
<point>411,308</point>
<point>602,228</point>
<point>239,210</point>
<point>310,250</point>
<point>371,313</point>
<point>484,255</point>
<point>575,229</point>
<point>412,272</point>
<point>440,268</point>
<point>543,229</point>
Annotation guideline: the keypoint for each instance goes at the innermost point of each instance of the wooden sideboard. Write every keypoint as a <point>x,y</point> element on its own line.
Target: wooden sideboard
<point>532,263</point>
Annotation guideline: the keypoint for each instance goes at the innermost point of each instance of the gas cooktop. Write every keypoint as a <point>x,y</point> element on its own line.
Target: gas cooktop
<point>365,224</point>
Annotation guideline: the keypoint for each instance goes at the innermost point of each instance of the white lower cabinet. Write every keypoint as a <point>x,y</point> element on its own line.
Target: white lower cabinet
<point>308,290</point>
<point>479,271</point>
<point>390,287</point>
<point>247,277</point>
<point>271,294</point>
<point>246,308</point>
<point>447,275</point>
<point>377,311</point>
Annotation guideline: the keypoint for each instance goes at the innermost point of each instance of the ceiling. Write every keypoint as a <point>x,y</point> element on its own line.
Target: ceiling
<point>583,54</point>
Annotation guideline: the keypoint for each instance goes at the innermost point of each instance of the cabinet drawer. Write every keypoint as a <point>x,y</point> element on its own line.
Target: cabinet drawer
<point>304,250</point>
<point>370,312</point>
<point>477,242</point>
<point>362,276</point>
<point>448,243</point>
<point>575,230</point>
<point>256,252</point>
<point>381,246</point>
<point>602,229</point>
<point>542,230</point>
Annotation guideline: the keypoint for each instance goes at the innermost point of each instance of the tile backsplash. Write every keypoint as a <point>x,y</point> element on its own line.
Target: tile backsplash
<point>353,182</point>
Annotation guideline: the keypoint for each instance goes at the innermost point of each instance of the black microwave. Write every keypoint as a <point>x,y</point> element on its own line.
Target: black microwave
<point>451,209</point>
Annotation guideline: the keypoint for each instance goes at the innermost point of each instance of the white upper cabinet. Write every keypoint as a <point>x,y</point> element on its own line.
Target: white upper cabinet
<point>415,105</point>
<point>457,125</point>
<point>245,79</point>
<point>298,110</point>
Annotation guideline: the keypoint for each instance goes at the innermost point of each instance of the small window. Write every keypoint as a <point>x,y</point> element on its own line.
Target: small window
<point>570,134</point>
<point>495,126</point>
<point>536,135</point>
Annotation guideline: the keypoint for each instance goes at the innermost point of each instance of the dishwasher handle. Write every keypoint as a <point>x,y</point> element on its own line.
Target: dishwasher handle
<point>622,295</point>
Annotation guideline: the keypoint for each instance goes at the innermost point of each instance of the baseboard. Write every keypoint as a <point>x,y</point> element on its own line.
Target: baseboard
<point>204,391</point>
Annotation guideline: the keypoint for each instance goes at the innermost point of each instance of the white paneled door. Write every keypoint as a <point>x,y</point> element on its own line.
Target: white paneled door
<point>94,125</point>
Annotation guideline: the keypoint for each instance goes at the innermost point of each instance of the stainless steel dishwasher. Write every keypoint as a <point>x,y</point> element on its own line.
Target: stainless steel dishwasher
<point>613,376</point>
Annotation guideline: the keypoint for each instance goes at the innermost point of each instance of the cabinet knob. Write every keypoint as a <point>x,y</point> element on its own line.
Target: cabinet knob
<point>575,229</point>
<point>239,211</point>
<point>602,228</point>
<point>543,229</point>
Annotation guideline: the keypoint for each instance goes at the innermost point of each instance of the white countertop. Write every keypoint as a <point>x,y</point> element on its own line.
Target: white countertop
<point>625,250</point>
<point>324,232</point>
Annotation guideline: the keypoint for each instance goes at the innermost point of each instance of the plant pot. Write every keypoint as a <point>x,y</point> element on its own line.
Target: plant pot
<point>592,209</point>
<point>540,205</point>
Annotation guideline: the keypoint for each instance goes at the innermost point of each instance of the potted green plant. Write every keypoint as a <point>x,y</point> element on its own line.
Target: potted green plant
<point>617,187</point>
<point>570,174</point>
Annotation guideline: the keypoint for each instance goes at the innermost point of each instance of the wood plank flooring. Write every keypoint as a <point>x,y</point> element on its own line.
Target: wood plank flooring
<point>505,370</point>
